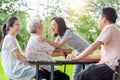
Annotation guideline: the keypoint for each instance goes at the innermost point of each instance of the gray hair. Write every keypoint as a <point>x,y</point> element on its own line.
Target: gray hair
<point>33,24</point>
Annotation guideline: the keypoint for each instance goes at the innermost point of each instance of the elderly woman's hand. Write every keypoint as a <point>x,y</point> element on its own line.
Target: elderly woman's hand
<point>67,51</point>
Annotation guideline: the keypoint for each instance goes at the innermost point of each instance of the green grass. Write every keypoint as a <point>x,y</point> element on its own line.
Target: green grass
<point>69,68</point>
<point>2,74</point>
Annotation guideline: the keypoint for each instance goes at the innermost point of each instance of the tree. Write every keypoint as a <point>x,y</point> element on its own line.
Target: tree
<point>52,9</point>
<point>97,5</point>
<point>84,19</point>
<point>12,8</point>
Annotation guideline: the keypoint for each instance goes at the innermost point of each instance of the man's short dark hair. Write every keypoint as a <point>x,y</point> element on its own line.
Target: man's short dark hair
<point>110,14</point>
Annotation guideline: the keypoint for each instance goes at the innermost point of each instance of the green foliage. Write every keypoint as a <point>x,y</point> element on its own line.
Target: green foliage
<point>97,5</point>
<point>86,26</point>
<point>24,35</point>
<point>11,8</point>
<point>2,75</point>
<point>47,30</point>
<point>8,8</point>
<point>52,11</point>
<point>85,23</point>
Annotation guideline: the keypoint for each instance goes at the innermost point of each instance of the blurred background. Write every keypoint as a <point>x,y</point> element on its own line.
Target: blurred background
<point>80,15</point>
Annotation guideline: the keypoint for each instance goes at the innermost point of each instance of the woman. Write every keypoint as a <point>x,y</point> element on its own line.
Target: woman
<point>41,50</point>
<point>66,36</point>
<point>11,52</point>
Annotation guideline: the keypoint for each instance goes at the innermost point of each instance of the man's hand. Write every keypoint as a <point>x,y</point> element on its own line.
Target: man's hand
<point>71,57</point>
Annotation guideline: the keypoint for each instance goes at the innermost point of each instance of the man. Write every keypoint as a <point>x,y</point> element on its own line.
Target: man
<point>109,40</point>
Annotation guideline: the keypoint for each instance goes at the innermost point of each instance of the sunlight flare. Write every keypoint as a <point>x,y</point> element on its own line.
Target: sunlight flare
<point>76,6</point>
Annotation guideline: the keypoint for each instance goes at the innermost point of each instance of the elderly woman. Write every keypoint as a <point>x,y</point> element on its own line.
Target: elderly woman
<point>37,50</point>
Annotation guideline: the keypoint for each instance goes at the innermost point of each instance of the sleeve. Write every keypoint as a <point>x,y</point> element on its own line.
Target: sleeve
<point>105,35</point>
<point>68,34</point>
<point>13,45</point>
<point>57,39</point>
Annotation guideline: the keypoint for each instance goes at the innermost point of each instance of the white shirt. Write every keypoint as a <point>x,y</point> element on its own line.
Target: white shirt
<point>37,50</point>
<point>13,68</point>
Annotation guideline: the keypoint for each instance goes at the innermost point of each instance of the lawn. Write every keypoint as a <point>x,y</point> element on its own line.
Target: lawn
<point>69,68</point>
<point>2,75</point>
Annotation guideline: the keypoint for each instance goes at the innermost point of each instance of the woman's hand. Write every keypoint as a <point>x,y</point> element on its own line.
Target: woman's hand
<point>41,39</point>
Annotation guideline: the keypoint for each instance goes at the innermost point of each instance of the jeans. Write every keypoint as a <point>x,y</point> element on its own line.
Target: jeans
<point>77,69</point>
<point>58,75</point>
<point>96,72</point>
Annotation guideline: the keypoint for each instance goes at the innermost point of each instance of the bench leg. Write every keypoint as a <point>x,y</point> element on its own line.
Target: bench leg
<point>83,66</point>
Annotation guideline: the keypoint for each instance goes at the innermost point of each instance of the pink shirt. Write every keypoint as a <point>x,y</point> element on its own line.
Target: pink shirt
<point>110,50</point>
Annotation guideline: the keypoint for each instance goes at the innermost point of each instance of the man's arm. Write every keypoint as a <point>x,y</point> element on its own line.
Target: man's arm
<point>88,51</point>
<point>92,57</point>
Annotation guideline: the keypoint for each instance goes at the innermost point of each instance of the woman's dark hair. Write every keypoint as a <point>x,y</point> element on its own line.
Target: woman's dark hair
<point>61,25</point>
<point>110,14</point>
<point>9,23</point>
